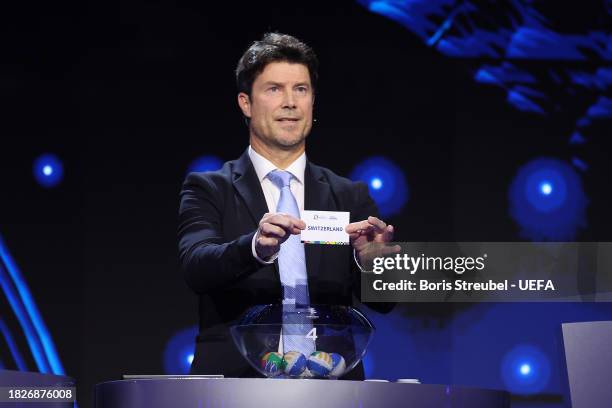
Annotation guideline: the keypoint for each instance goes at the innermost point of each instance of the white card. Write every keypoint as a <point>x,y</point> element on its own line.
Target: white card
<point>325,227</point>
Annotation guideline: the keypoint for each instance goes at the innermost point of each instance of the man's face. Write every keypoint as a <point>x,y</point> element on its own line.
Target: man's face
<point>280,105</point>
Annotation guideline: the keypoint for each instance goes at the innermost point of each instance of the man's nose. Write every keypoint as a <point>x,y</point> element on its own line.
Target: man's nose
<point>289,100</point>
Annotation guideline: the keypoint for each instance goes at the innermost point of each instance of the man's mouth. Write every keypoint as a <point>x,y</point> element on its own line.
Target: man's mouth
<point>287,119</point>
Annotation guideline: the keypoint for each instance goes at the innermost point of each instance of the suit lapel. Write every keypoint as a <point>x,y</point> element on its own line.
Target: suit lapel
<point>317,196</point>
<point>248,186</point>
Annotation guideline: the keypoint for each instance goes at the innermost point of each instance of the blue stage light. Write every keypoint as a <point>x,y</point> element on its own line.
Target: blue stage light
<point>22,302</point>
<point>386,183</point>
<point>179,351</point>
<point>205,163</point>
<point>546,188</point>
<point>525,370</point>
<point>48,170</point>
<point>12,346</point>
<point>547,201</point>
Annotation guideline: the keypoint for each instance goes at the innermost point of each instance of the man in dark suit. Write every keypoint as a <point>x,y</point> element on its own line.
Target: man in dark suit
<point>232,239</point>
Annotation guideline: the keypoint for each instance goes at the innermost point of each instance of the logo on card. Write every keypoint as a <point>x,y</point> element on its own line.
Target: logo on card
<point>323,217</point>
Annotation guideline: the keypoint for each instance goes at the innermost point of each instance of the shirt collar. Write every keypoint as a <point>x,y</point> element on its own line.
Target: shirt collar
<point>264,166</point>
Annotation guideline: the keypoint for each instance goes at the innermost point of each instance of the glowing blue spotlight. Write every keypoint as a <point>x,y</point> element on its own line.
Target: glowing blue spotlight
<point>48,170</point>
<point>386,183</point>
<point>547,201</point>
<point>525,369</point>
<point>205,163</point>
<point>179,351</point>
<point>546,188</point>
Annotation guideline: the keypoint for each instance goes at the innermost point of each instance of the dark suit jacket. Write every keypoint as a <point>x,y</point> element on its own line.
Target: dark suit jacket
<point>219,214</point>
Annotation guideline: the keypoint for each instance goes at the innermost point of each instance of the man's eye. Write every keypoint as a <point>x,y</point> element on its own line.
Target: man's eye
<point>302,89</point>
<point>273,88</point>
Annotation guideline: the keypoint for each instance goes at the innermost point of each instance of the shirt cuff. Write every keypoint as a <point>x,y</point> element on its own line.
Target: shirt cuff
<point>270,260</point>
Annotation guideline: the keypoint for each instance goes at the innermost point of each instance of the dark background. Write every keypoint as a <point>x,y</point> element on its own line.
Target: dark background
<point>127,94</point>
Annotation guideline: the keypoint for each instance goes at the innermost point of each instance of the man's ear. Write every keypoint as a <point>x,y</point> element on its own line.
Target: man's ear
<point>244,101</point>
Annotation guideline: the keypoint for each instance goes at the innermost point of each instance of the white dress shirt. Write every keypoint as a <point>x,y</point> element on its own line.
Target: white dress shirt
<point>262,167</point>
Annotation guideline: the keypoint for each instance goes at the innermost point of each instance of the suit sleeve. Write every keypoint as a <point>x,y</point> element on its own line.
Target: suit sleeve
<point>366,207</point>
<point>208,262</point>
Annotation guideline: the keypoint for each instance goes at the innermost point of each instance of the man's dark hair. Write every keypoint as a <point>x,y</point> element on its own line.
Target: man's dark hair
<point>274,47</point>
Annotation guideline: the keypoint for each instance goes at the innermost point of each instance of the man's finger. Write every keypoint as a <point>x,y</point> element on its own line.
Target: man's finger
<point>390,249</point>
<point>286,221</point>
<point>267,241</point>
<point>354,236</point>
<point>377,223</point>
<point>281,221</point>
<point>388,233</point>
<point>298,223</point>
<point>359,225</point>
<point>268,230</point>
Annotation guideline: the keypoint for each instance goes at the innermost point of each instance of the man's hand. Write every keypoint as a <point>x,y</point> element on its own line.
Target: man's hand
<point>274,229</point>
<point>369,238</point>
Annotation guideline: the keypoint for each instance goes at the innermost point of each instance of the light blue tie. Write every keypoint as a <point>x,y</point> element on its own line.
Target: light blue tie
<point>292,268</point>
